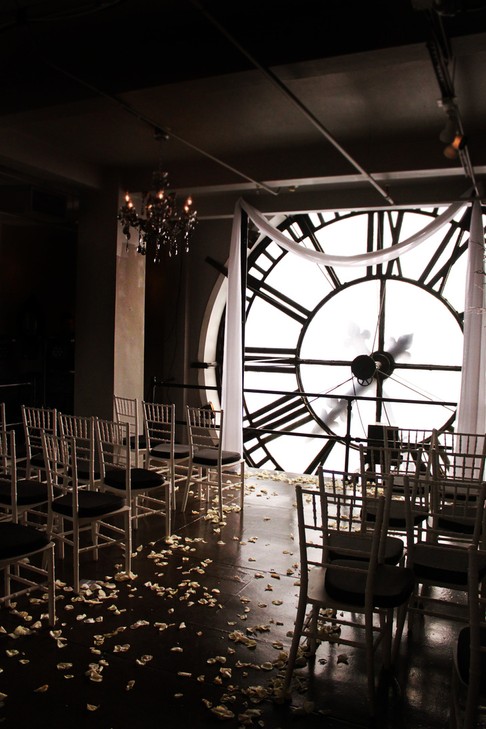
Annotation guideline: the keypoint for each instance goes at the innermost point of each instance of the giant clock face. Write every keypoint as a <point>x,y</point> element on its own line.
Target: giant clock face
<point>311,329</point>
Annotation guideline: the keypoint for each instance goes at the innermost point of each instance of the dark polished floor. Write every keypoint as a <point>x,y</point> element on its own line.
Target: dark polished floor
<point>198,637</point>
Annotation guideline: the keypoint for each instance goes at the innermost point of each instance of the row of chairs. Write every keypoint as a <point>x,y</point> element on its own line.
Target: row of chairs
<point>431,453</point>
<point>84,474</point>
<point>27,558</point>
<point>200,461</point>
<point>382,548</point>
<point>79,478</point>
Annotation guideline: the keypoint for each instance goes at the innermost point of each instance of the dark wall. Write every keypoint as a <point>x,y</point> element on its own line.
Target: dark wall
<point>177,294</point>
<point>37,304</point>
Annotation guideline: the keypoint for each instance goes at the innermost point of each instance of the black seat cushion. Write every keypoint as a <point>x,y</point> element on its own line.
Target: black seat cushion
<point>209,457</point>
<point>348,540</point>
<point>463,655</point>
<point>162,450</point>
<point>393,585</point>
<point>28,492</point>
<point>443,565</point>
<point>17,539</point>
<point>141,479</point>
<point>90,504</point>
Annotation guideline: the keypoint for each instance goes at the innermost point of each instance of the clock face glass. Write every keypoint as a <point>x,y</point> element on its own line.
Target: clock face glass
<point>307,323</point>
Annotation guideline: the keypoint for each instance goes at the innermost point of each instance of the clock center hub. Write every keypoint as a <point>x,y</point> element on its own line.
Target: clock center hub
<point>367,367</point>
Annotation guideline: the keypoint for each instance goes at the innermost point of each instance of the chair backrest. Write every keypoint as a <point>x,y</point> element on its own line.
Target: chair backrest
<point>8,475</point>
<point>113,446</point>
<point>81,428</point>
<point>377,462</point>
<point>126,410</point>
<point>410,448</point>
<point>407,437</point>
<point>159,421</point>
<point>344,499</point>
<point>457,512</point>
<point>3,438</point>
<point>204,427</point>
<point>460,456</point>
<point>318,515</point>
<point>61,466</point>
<point>36,421</point>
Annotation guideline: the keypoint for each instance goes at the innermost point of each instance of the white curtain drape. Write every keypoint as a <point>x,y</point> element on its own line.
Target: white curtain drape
<point>232,384</point>
<point>471,411</point>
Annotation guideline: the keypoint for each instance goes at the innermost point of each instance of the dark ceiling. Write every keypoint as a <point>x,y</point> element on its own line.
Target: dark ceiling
<point>340,100</point>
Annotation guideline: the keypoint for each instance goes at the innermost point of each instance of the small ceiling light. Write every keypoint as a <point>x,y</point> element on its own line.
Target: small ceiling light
<point>457,144</point>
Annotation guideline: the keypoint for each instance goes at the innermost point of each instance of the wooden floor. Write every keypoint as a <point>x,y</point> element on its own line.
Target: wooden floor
<point>198,637</point>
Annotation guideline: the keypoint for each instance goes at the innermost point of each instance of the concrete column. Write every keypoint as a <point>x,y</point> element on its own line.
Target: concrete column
<point>110,303</point>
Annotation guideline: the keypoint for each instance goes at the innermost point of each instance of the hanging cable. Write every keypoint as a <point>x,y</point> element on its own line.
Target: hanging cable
<point>357,407</point>
<point>380,314</point>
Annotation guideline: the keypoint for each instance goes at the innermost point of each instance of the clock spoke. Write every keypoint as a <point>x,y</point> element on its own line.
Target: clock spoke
<point>415,390</point>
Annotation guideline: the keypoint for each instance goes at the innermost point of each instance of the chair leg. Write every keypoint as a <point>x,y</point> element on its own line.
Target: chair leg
<point>172,479</point>
<point>51,582</point>
<point>128,542</point>
<point>134,511</point>
<point>401,618</point>
<point>76,557</point>
<point>61,541</point>
<point>370,663</point>
<point>387,650</point>
<point>294,647</point>
<point>168,507</point>
<point>6,583</point>
<point>95,530</point>
<point>186,488</point>
<point>242,485</point>
<point>220,493</point>
<point>313,630</point>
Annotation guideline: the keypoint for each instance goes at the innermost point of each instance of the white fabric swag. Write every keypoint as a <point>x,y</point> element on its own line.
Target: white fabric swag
<point>471,408</point>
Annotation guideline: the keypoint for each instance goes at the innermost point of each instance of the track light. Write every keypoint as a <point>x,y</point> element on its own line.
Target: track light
<point>457,144</point>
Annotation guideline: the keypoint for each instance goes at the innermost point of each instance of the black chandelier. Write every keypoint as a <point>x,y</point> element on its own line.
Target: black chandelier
<point>158,223</point>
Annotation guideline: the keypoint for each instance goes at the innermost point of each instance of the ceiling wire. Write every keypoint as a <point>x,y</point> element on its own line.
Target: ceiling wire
<point>276,81</point>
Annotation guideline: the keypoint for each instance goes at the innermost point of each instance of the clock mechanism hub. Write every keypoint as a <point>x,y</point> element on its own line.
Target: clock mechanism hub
<point>368,367</point>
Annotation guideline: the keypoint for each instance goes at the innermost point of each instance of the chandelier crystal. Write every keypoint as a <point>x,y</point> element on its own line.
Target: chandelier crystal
<point>159,223</point>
